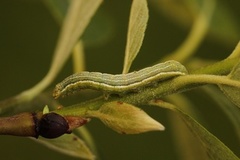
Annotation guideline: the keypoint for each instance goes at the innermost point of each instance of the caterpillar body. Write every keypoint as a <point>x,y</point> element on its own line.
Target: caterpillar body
<point>119,83</point>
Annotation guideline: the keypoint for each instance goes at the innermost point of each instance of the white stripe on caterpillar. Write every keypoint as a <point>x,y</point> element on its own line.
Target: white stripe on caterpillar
<point>119,83</point>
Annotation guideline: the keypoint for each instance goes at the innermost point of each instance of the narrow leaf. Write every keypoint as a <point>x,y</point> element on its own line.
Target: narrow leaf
<point>233,92</point>
<point>229,108</point>
<point>88,139</point>
<point>125,118</point>
<point>187,150</point>
<point>68,144</point>
<point>213,146</point>
<point>91,36</point>
<point>78,17</point>
<point>136,30</point>
<point>187,144</point>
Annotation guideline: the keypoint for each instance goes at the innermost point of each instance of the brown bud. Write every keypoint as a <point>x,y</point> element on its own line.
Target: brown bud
<point>50,125</point>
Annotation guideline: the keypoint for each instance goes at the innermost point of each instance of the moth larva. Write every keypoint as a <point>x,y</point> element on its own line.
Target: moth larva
<point>119,83</point>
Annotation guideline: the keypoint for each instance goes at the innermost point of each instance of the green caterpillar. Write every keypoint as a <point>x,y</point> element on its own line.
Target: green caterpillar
<point>119,83</point>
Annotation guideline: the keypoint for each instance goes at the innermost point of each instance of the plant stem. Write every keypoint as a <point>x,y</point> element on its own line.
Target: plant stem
<point>176,85</point>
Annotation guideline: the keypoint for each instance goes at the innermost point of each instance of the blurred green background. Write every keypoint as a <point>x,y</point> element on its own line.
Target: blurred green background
<point>28,34</point>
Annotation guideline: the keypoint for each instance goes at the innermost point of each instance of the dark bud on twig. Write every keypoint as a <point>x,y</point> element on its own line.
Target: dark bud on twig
<point>50,125</point>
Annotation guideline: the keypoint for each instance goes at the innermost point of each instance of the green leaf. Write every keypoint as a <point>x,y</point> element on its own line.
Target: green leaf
<point>188,146</point>
<point>125,118</point>
<point>78,17</point>
<point>233,92</point>
<point>91,37</point>
<point>185,148</point>
<point>88,139</point>
<point>68,144</point>
<point>45,109</point>
<point>213,146</point>
<point>136,30</point>
<point>229,108</point>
